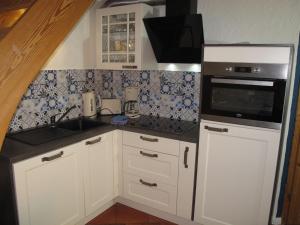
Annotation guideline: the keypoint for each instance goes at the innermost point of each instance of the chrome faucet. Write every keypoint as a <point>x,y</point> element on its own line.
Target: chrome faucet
<point>53,120</point>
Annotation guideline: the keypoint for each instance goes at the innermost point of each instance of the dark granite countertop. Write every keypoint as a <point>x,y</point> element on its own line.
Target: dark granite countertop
<point>15,151</point>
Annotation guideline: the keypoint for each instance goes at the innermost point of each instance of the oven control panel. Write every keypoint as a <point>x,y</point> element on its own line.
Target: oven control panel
<point>243,69</point>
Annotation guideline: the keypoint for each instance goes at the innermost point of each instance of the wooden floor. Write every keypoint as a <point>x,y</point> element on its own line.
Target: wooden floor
<point>122,215</point>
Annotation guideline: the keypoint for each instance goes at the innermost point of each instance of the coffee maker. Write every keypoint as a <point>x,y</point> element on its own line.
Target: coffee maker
<point>131,106</point>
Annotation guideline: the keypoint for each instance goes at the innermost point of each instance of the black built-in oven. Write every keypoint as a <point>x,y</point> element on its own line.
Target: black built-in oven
<point>248,94</point>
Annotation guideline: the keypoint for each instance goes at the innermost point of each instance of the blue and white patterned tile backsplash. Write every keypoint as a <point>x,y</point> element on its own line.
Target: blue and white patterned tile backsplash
<point>162,93</point>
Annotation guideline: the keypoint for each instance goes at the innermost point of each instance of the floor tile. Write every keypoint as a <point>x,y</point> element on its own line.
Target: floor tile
<point>123,215</point>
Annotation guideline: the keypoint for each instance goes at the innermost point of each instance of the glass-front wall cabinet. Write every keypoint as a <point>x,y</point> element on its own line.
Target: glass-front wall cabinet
<point>118,38</point>
<point>119,41</point>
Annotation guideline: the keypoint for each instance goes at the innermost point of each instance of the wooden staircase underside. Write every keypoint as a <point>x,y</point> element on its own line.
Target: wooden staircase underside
<point>29,43</point>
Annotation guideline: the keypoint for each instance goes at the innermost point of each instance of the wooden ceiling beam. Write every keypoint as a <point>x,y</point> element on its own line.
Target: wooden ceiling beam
<point>15,5</point>
<point>27,47</point>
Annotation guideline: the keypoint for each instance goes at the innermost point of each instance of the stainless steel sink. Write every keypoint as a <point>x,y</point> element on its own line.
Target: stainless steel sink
<point>43,135</point>
<point>80,124</point>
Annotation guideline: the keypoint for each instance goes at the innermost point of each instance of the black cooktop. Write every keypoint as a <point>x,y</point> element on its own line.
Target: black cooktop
<point>162,124</point>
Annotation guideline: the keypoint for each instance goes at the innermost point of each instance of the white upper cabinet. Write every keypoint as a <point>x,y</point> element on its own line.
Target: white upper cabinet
<point>98,172</point>
<point>236,172</point>
<point>49,188</point>
<point>122,41</point>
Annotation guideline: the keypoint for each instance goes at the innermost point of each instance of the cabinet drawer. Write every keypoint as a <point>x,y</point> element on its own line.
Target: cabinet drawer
<point>163,145</point>
<point>150,192</point>
<point>150,164</point>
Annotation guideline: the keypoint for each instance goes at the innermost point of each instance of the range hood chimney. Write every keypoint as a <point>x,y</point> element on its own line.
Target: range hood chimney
<point>181,7</point>
<point>178,37</point>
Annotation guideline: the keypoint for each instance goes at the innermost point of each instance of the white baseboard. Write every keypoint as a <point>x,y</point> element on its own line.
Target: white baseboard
<point>276,221</point>
<point>154,212</point>
<point>96,213</point>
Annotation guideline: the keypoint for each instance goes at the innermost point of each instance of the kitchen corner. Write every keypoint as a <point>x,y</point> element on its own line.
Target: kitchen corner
<point>178,109</point>
<point>185,131</point>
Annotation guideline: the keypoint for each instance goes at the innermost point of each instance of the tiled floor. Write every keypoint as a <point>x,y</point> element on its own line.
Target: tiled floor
<point>122,215</point>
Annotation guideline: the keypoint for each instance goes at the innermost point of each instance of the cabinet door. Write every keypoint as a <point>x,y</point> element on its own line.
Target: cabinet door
<point>236,171</point>
<point>117,36</point>
<point>187,160</point>
<point>49,188</point>
<point>99,172</point>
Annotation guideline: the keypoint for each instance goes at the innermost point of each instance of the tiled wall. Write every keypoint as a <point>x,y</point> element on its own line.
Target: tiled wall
<point>162,93</point>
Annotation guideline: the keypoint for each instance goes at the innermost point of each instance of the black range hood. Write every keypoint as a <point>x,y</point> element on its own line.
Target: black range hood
<point>178,37</point>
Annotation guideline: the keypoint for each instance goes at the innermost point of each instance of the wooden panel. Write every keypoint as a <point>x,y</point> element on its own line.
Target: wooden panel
<point>27,47</point>
<point>15,4</point>
<point>294,212</point>
<point>9,18</point>
<point>294,157</point>
<point>5,3</point>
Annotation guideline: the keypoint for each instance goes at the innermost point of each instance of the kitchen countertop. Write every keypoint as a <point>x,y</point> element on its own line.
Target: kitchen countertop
<point>15,151</point>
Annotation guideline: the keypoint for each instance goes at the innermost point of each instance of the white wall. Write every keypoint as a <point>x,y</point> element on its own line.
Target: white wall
<point>254,21</point>
<point>78,50</point>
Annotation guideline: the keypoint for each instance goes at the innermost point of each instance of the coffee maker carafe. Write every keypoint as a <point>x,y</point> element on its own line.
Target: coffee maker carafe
<point>131,106</point>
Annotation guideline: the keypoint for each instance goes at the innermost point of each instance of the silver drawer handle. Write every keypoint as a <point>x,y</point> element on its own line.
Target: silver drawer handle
<point>93,141</point>
<point>148,154</point>
<point>148,184</point>
<point>149,139</point>
<point>50,158</point>
<point>216,129</point>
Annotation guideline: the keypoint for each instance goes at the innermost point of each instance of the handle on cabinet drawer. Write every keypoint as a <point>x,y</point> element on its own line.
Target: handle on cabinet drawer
<point>186,151</point>
<point>149,139</point>
<point>50,158</point>
<point>216,129</point>
<point>129,67</point>
<point>148,184</point>
<point>148,154</point>
<point>93,141</point>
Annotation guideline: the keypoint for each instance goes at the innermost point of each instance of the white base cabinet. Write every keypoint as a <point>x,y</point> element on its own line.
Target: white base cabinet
<point>98,172</point>
<point>49,188</point>
<point>66,185</point>
<point>69,185</point>
<point>236,172</point>
<point>159,172</point>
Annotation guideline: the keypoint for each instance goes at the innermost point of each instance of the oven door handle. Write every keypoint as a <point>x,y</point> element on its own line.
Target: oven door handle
<point>243,82</point>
